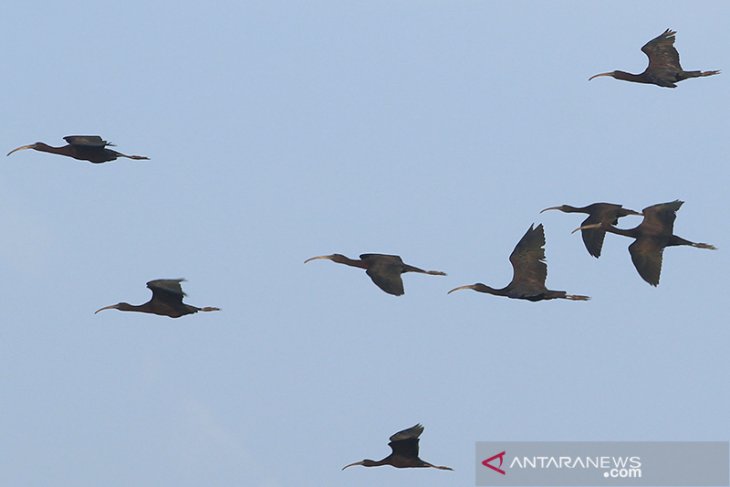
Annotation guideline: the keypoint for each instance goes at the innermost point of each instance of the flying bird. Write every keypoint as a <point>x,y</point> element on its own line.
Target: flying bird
<point>664,68</point>
<point>90,148</point>
<point>167,296</point>
<point>530,272</point>
<point>384,270</point>
<point>405,452</point>
<point>607,213</point>
<point>653,234</point>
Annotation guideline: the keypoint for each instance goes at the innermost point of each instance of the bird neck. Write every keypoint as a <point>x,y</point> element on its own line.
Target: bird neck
<point>572,209</point>
<point>43,147</point>
<point>630,232</point>
<point>483,288</point>
<point>130,307</point>
<point>637,78</point>
<point>341,259</point>
<point>373,463</point>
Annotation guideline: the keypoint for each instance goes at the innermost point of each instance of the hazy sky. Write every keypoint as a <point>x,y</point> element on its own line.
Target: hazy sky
<point>282,130</point>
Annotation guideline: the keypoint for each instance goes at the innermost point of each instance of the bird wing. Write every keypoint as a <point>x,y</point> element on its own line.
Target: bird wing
<point>659,219</point>
<point>605,214</point>
<point>528,260</point>
<point>167,290</point>
<point>646,255</point>
<point>86,140</point>
<point>406,442</point>
<point>385,271</point>
<point>661,52</point>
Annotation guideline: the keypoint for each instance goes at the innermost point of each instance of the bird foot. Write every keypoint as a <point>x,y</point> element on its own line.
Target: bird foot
<point>577,297</point>
<point>704,246</point>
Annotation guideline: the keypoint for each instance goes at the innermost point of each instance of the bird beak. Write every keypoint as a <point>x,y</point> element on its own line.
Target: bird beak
<point>22,147</point>
<point>470,286</point>
<point>318,257</point>
<point>353,464</point>
<point>588,227</point>
<point>610,73</point>
<point>113,306</point>
<point>551,208</point>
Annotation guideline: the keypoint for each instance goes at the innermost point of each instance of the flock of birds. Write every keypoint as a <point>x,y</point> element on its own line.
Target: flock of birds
<point>651,237</point>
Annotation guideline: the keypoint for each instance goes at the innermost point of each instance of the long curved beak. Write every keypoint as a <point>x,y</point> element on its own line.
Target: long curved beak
<point>112,306</point>
<point>22,147</point>
<point>551,208</point>
<point>318,257</point>
<point>592,226</point>
<point>610,73</point>
<point>352,464</point>
<point>468,286</point>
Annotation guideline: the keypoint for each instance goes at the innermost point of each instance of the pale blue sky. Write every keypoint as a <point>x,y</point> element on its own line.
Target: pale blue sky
<point>282,130</point>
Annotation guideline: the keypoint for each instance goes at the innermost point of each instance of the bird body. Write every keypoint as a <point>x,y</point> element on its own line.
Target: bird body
<point>652,236</point>
<point>404,446</point>
<point>607,213</point>
<point>90,148</point>
<point>167,296</point>
<point>529,272</point>
<point>664,68</point>
<point>384,270</point>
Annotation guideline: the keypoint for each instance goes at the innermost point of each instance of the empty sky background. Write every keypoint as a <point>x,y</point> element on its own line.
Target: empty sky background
<point>282,130</point>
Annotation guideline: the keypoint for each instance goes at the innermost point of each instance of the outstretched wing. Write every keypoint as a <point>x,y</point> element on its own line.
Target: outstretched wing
<point>659,219</point>
<point>167,290</point>
<point>86,140</point>
<point>605,214</point>
<point>528,260</point>
<point>647,258</point>
<point>385,271</point>
<point>405,442</point>
<point>661,52</point>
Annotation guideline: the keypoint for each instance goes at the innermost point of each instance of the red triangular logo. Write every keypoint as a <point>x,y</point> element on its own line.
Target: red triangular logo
<point>501,459</point>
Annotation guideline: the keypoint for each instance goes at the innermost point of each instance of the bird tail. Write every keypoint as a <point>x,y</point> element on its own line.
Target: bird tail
<point>696,74</point>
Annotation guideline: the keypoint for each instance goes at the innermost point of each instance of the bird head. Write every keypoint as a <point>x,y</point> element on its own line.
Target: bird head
<point>364,463</point>
<point>560,208</point>
<point>24,147</point>
<point>468,286</point>
<point>333,257</point>
<point>610,73</point>
<point>119,306</point>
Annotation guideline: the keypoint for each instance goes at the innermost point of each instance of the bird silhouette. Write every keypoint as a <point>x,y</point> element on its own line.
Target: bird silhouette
<point>664,68</point>
<point>404,446</point>
<point>90,148</point>
<point>530,272</point>
<point>384,270</point>
<point>607,213</point>
<point>167,296</point>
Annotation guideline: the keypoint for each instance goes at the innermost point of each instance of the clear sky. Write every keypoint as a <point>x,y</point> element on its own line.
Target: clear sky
<point>282,130</point>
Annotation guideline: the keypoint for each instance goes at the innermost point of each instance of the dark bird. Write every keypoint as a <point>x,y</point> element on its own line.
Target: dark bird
<point>653,234</point>
<point>607,213</point>
<point>530,272</point>
<point>167,296</point>
<point>405,452</point>
<point>664,68</point>
<point>90,148</point>
<point>384,270</point>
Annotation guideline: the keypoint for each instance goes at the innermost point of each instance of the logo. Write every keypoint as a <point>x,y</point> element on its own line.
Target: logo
<point>487,462</point>
<point>602,463</point>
